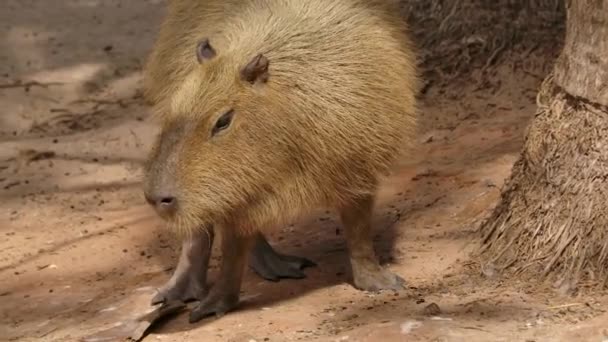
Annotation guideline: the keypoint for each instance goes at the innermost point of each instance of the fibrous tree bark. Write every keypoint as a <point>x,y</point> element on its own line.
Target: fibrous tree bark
<point>552,219</point>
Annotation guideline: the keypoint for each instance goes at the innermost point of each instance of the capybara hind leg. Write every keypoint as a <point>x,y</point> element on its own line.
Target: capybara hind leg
<point>189,281</point>
<point>272,266</point>
<point>368,275</point>
<point>224,294</point>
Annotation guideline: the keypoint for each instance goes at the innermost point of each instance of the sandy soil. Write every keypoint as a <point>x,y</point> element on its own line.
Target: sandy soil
<point>79,245</point>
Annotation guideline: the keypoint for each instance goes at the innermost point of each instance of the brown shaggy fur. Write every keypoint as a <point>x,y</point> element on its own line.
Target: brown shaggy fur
<point>337,109</point>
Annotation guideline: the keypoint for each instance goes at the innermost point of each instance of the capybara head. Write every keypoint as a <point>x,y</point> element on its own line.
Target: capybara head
<point>217,150</point>
<point>284,110</point>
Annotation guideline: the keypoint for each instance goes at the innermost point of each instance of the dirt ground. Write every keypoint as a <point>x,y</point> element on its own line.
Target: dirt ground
<point>79,246</point>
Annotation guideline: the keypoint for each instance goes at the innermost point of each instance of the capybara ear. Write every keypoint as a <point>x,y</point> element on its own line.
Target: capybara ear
<point>256,70</point>
<point>204,51</point>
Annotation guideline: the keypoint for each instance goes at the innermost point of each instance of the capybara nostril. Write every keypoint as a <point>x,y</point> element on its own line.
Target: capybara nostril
<point>164,205</point>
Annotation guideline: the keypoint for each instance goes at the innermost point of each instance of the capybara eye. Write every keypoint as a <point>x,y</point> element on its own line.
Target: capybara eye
<point>223,122</point>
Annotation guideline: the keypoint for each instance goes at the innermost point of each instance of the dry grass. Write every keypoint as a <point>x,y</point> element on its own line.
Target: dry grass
<point>458,36</point>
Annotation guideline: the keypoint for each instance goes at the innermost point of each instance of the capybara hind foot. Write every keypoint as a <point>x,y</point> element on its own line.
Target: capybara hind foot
<point>370,276</point>
<point>272,266</point>
<point>367,273</point>
<point>189,281</point>
<point>216,303</point>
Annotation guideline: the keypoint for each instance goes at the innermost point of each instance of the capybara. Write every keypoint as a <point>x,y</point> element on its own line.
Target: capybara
<point>270,109</point>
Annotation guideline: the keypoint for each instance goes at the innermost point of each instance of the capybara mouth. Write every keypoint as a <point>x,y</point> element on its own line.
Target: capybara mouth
<point>186,224</point>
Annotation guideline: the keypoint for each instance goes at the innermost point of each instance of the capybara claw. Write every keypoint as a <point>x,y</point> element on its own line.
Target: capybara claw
<point>217,305</point>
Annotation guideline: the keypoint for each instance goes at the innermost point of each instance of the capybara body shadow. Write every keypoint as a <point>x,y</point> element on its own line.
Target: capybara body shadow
<point>270,109</point>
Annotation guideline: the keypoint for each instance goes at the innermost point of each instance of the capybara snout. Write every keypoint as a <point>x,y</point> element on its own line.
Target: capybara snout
<point>161,170</point>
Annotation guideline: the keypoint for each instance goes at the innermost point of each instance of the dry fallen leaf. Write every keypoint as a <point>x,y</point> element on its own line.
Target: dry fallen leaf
<point>134,317</point>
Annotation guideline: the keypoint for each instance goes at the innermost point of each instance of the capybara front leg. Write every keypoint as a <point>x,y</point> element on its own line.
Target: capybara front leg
<point>224,294</point>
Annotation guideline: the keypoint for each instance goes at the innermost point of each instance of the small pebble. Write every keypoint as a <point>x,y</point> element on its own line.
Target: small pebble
<point>432,309</point>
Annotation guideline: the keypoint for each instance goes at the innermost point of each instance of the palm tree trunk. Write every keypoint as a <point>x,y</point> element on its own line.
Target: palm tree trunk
<point>552,219</point>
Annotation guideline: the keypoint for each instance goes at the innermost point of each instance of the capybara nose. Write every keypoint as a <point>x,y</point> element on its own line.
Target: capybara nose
<point>163,204</point>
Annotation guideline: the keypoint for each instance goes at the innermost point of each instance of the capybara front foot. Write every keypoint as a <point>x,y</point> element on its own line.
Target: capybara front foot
<point>272,266</point>
<point>189,280</point>
<point>184,290</point>
<point>373,277</point>
<point>216,303</point>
